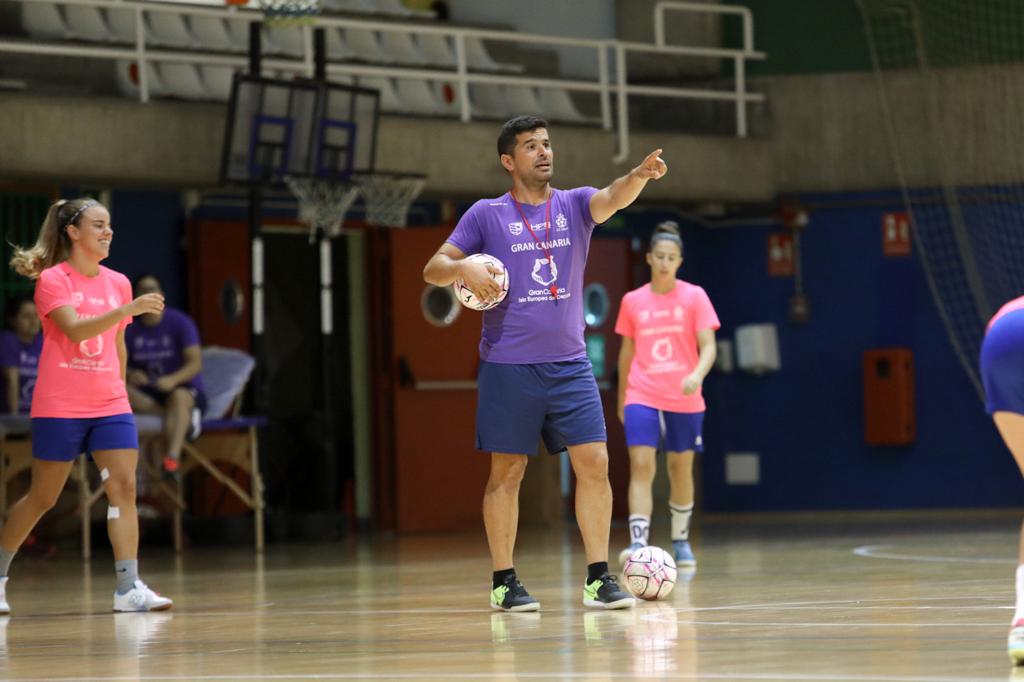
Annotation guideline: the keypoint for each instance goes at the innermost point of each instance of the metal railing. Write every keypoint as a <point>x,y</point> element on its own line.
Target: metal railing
<point>459,74</point>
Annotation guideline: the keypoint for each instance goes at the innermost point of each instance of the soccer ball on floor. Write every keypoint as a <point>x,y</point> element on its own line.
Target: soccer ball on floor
<point>649,573</point>
<point>468,298</point>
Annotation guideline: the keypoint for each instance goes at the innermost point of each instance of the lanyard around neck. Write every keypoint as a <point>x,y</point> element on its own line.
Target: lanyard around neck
<point>547,234</point>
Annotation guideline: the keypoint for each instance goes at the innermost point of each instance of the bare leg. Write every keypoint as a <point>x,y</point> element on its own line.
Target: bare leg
<point>680,476</point>
<point>48,479</point>
<point>501,507</point>
<point>177,414</point>
<point>593,498</point>
<point>123,528</point>
<point>643,465</point>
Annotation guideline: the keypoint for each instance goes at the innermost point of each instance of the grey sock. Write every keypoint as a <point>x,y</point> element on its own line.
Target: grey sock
<point>5,561</point>
<point>127,571</point>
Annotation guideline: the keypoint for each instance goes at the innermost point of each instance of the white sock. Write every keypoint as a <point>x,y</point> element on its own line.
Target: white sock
<point>680,521</point>
<point>1018,614</point>
<point>639,528</point>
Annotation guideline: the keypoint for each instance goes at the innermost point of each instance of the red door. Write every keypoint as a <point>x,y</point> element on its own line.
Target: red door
<point>219,276</point>
<point>431,477</point>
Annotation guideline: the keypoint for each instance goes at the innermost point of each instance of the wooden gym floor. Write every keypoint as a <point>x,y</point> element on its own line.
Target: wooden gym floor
<point>927,600</point>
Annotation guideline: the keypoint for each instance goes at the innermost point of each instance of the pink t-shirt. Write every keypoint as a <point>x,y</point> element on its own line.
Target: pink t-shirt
<point>80,380</point>
<point>1015,304</point>
<point>664,330</point>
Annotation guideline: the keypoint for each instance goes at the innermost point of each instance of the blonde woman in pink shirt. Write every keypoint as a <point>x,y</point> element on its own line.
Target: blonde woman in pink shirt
<point>668,346</point>
<point>80,404</point>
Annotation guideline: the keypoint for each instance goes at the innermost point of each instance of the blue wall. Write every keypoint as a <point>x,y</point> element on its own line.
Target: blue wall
<point>806,421</point>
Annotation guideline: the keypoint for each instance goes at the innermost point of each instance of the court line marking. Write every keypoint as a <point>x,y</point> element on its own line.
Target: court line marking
<point>561,674</point>
<point>878,552</point>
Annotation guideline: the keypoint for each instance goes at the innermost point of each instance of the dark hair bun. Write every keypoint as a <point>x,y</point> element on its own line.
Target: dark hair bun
<point>667,227</point>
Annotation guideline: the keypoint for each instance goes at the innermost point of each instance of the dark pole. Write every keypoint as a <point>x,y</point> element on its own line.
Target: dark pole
<point>261,397</point>
<point>326,252</point>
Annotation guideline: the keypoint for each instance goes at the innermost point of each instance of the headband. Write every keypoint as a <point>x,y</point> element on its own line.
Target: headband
<point>87,205</point>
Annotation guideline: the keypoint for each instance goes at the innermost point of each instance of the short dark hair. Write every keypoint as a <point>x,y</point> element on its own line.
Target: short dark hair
<point>510,131</point>
<point>146,275</point>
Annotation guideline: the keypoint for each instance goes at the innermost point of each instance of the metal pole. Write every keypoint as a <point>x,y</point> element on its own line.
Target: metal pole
<point>262,388</point>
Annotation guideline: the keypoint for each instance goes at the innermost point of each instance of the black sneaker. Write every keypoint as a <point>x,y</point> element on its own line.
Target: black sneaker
<point>605,593</point>
<point>512,596</point>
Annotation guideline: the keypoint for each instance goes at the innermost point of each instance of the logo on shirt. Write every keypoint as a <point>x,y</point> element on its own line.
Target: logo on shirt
<point>114,301</point>
<point>678,313</point>
<point>515,228</point>
<point>91,348</point>
<point>644,316</point>
<point>561,223</point>
<point>662,350</point>
<point>77,298</point>
<point>545,271</point>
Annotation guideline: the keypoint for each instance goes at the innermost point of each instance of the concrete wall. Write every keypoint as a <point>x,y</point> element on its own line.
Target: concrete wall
<point>118,141</point>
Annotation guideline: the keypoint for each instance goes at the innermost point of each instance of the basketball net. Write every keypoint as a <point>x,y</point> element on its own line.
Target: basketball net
<point>388,196</point>
<point>323,203</point>
<point>289,12</point>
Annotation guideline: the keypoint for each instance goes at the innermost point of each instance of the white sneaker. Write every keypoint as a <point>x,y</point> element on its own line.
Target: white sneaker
<point>140,598</point>
<point>5,608</point>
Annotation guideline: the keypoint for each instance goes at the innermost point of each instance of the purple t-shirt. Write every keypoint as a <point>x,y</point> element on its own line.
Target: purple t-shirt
<point>530,326</point>
<point>157,350</point>
<point>25,357</point>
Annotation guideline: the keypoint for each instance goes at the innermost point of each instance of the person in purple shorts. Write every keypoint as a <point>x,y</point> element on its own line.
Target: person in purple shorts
<point>20,347</point>
<point>535,380</point>
<point>165,372</point>
<point>1002,373</point>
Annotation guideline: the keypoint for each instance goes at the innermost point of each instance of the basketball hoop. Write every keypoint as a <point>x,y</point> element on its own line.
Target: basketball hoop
<point>289,12</point>
<point>388,196</point>
<point>323,203</point>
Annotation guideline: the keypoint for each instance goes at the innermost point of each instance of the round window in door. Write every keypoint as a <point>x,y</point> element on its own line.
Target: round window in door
<point>595,304</point>
<point>439,305</point>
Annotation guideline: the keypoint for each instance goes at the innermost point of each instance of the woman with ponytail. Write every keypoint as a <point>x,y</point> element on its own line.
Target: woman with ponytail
<point>80,404</point>
<point>668,347</point>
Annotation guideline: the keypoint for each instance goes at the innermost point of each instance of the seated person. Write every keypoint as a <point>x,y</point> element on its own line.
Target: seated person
<point>20,346</point>
<point>164,372</point>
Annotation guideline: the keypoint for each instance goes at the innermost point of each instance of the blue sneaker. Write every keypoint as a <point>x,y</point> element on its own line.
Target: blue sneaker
<point>625,554</point>
<point>683,554</point>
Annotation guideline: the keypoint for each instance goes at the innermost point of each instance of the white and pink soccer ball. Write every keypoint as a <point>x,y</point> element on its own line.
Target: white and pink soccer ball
<point>649,573</point>
<point>468,298</point>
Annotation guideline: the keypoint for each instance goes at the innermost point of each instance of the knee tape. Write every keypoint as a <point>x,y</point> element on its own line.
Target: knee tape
<point>113,512</point>
<point>104,474</point>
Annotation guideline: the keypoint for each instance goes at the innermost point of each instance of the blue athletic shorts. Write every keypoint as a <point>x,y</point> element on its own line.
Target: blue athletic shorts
<point>682,431</point>
<point>61,440</point>
<point>1002,364</point>
<point>517,405</point>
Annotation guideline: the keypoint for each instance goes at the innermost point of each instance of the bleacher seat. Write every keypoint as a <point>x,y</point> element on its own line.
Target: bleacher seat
<point>287,40</point>
<point>44,20</point>
<point>181,80</point>
<point>557,105</point>
<point>217,81</point>
<point>390,102</point>
<point>238,31</point>
<point>211,33</point>
<point>337,48</point>
<point>128,80</point>
<point>400,48</point>
<point>523,99</point>
<point>122,24</point>
<point>169,30</point>
<point>419,97</point>
<point>488,101</point>
<point>436,49</point>
<point>366,45</point>
<point>87,23</point>
<point>479,59</point>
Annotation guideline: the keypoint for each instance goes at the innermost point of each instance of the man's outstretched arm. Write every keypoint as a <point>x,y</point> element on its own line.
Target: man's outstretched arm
<point>624,191</point>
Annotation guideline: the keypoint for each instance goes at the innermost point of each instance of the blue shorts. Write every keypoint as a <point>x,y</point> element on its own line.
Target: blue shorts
<point>682,431</point>
<point>517,405</point>
<point>1002,364</point>
<point>61,440</point>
